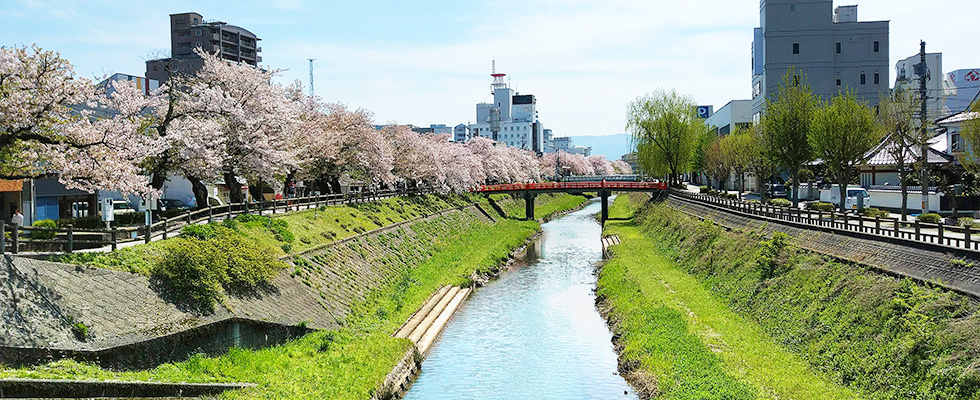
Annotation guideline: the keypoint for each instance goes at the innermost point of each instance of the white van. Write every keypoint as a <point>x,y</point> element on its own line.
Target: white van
<point>853,193</point>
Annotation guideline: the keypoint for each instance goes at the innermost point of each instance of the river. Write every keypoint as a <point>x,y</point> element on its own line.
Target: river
<point>534,333</point>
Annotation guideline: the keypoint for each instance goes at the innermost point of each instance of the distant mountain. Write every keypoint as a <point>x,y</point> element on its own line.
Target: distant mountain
<point>611,146</point>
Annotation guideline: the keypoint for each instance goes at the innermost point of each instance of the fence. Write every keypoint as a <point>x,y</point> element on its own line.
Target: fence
<point>937,234</point>
<point>68,239</point>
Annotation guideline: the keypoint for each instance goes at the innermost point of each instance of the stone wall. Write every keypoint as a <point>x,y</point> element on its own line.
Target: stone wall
<point>128,317</point>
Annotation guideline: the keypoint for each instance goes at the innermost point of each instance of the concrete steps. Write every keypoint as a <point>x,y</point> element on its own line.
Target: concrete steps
<point>425,326</point>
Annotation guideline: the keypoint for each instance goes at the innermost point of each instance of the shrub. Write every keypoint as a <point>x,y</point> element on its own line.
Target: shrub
<point>44,235</point>
<point>968,222</point>
<point>780,202</point>
<point>872,212</point>
<point>703,189</point>
<point>930,218</point>
<point>80,331</point>
<point>201,232</point>
<point>200,270</point>
<point>820,206</point>
<point>766,257</point>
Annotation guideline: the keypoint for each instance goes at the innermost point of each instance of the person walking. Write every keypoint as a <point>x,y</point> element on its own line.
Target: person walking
<point>17,219</point>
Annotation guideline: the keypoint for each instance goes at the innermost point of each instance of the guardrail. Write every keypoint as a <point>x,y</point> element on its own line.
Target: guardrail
<point>571,186</point>
<point>69,238</point>
<point>922,232</point>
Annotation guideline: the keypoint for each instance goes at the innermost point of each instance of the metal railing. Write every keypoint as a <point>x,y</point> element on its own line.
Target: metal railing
<point>888,227</point>
<point>69,239</point>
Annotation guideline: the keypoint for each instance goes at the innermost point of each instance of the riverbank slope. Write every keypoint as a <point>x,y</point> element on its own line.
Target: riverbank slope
<point>700,312</point>
<point>348,361</point>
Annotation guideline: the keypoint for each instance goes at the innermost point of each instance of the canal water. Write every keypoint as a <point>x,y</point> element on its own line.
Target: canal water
<point>534,333</point>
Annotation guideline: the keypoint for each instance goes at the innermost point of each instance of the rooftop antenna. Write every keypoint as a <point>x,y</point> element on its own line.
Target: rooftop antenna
<point>311,75</point>
<point>498,79</point>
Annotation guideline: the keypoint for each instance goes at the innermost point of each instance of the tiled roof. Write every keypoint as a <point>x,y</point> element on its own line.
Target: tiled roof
<point>958,117</point>
<point>883,156</point>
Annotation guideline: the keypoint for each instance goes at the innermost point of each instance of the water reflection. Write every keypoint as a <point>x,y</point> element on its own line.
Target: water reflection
<point>534,333</point>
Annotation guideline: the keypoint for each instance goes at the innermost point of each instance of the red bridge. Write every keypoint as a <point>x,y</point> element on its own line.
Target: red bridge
<point>603,188</point>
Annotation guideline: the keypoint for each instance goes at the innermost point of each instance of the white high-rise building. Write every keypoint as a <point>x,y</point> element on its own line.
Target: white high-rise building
<point>519,124</point>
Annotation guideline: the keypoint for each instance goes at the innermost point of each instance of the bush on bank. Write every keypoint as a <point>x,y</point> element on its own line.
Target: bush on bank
<point>889,338</point>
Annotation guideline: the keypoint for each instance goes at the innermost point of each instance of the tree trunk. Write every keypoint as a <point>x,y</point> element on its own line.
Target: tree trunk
<point>255,190</point>
<point>903,178</point>
<point>159,173</point>
<point>842,187</point>
<point>234,188</point>
<point>200,191</point>
<point>796,187</point>
<point>159,178</point>
<point>335,185</point>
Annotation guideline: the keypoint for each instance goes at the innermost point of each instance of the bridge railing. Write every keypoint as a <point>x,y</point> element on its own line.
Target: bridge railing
<point>559,186</point>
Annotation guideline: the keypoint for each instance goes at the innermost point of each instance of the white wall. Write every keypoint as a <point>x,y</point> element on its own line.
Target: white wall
<point>892,199</point>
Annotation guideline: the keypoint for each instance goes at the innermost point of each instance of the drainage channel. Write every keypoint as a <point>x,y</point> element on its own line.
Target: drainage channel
<point>533,333</point>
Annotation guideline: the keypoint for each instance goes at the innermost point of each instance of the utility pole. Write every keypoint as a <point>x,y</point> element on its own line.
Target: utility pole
<point>923,72</point>
<point>311,75</point>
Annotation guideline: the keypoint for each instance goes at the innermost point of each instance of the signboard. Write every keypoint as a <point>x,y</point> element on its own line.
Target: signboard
<point>705,111</point>
<point>107,214</point>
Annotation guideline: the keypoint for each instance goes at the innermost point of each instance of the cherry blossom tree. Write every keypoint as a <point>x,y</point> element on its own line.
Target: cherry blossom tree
<point>53,123</point>
<point>259,121</point>
<point>600,165</point>
<point>622,167</point>
<point>577,163</point>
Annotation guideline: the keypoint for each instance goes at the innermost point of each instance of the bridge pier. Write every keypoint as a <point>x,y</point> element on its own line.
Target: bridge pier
<point>604,195</point>
<point>529,205</point>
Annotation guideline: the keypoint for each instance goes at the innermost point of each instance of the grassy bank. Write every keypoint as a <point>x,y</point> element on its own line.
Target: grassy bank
<point>349,362</point>
<point>784,322</point>
<point>544,204</point>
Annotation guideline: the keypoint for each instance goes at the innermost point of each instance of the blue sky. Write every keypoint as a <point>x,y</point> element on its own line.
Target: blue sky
<point>428,62</point>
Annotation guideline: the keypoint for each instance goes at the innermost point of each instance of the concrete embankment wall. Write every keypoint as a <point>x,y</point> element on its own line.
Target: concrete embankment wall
<point>133,323</point>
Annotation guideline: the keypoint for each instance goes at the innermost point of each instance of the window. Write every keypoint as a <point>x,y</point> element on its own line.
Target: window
<point>838,81</point>
<point>877,81</point>
<point>792,7</point>
<point>863,79</point>
<point>197,44</point>
<point>197,32</point>
<point>838,48</point>
<point>796,48</point>
<point>877,46</point>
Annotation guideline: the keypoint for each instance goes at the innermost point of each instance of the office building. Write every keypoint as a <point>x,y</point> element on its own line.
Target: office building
<point>189,31</point>
<point>828,48</point>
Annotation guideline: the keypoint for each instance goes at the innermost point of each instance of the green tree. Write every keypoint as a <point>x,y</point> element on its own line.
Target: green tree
<point>736,146</point>
<point>970,134</point>
<point>842,134</point>
<point>665,130</point>
<point>787,126</point>
<point>757,160</point>
<point>898,117</point>
<point>717,162</point>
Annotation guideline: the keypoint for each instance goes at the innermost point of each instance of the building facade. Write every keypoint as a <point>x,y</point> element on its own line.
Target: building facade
<point>189,31</point>
<point>737,113</point>
<point>827,48</point>
<point>519,124</point>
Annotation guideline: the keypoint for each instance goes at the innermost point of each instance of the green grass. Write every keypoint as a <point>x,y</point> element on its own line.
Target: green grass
<point>626,205</point>
<point>545,205</point>
<point>883,337</point>
<point>696,346</point>
<point>349,362</point>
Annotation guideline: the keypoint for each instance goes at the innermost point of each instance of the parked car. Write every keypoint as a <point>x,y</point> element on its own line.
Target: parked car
<point>776,190</point>
<point>172,204</point>
<point>853,194</point>
<point>122,207</point>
